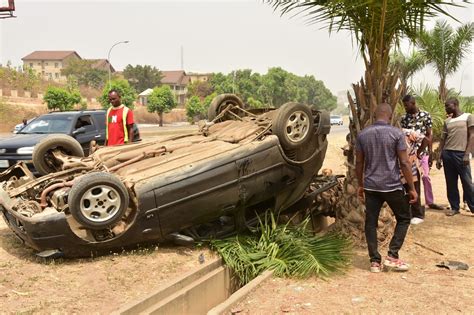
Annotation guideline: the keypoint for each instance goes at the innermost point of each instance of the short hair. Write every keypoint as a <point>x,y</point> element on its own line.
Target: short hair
<point>452,100</point>
<point>408,98</point>
<point>116,91</point>
<point>383,109</point>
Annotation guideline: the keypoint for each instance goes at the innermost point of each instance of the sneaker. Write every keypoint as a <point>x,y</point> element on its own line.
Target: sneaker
<point>375,267</point>
<point>435,207</point>
<point>451,213</point>
<point>396,264</point>
<point>416,220</point>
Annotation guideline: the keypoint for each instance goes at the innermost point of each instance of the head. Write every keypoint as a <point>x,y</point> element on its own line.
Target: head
<point>24,121</point>
<point>409,103</point>
<point>383,112</point>
<point>451,106</point>
<point>114,98</point>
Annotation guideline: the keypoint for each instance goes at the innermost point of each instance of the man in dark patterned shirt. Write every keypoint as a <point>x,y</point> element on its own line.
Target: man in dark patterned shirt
<point>381,153</point>
<point>419,120</point>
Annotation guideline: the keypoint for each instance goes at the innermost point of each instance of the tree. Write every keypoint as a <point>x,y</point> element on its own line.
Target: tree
<point>160,101</point>
<point>194,108</point>
<point>407,66</point>
<point>199,88</point>
<point>127,93</point>
<point>376,26</point>
<point>142,77</point>
<point>445,49</point>
<point>85,73</point>
<point>61,99</point>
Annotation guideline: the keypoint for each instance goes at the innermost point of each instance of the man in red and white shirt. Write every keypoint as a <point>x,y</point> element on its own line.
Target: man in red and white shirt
<point>119,121</point>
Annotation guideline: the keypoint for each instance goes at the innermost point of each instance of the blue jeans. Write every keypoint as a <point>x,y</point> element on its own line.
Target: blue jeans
<point>454,168</point>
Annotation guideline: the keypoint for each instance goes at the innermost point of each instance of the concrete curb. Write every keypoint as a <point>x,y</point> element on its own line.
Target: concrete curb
<point>240,294</point>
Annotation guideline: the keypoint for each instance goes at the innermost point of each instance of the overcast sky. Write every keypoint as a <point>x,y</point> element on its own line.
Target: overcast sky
<point>216,36</point>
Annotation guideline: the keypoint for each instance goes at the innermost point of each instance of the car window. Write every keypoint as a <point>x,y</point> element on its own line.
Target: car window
<point>86,122</point>
<point>49,124</point>
<point>100,119</point>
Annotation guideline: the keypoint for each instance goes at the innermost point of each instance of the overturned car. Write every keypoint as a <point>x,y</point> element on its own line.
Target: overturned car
<point>207,184</point>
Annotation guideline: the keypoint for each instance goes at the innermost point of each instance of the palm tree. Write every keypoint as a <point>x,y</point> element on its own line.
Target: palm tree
<point>376,26</point>
<point>445,48</point>
<point>407,66</point>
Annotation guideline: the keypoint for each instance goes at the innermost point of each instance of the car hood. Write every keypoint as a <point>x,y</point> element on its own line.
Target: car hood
<point>21,140</point>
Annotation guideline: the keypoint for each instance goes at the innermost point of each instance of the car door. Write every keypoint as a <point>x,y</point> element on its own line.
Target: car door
<point>85,130</point>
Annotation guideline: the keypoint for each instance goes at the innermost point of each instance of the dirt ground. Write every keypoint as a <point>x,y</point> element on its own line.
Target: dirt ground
<point>424,289</point>
<point>99,285</point>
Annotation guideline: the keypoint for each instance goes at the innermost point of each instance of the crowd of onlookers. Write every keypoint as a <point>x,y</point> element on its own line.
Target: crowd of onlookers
<point>390,162</point>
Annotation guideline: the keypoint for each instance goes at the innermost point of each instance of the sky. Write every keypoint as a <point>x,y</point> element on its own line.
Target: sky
<point>215,36</point>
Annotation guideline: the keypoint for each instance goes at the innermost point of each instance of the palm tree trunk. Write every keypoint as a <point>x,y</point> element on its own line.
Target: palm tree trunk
<point>369,92</point>
<point>443,90</point>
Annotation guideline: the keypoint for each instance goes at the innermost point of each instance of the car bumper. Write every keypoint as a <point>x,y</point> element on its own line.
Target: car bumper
<point>8,160</point>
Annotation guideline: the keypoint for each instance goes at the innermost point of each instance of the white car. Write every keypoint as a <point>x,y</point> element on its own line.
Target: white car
<point>21,125</point>
<point>336,120</point>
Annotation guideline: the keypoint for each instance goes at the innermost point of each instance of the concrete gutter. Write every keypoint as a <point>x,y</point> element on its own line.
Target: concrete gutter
<point>239,295</point>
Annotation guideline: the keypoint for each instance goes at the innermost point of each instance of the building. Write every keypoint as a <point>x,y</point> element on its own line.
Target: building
<point>199,77</point>
<point>143,97</point>
<point>49,63</point>
<point>178,82</point>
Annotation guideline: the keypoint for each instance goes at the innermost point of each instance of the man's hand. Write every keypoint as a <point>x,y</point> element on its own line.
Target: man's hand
<point>465,159</point>
<point>360,193</point>
<point>430,160</point>
<point>438,164</point>
<point>413,196</point>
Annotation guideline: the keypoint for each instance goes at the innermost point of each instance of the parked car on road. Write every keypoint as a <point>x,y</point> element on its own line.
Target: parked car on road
<point>18,127</point>
<point>336,120</point>
<point>84,126</point>
<point>183,188</point>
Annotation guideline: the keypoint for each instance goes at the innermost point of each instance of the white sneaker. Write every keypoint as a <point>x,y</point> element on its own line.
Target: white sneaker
<point>416,220</point>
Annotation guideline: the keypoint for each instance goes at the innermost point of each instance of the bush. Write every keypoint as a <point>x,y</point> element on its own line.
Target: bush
<point>194,108</point>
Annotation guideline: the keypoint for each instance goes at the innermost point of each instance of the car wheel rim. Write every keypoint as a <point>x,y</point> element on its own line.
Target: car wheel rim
<point>297,126</point>
<point>100,203</point>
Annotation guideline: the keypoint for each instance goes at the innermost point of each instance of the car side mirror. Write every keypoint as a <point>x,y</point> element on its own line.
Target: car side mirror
<point>78,131</point>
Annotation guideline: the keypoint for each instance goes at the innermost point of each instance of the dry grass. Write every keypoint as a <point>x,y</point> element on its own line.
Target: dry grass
<point>143,116</point>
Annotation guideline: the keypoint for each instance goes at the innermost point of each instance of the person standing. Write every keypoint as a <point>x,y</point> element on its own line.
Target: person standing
<point>420,121</point>
<point>456,145</point>
<point>119,121</point>
<point>381,153</point>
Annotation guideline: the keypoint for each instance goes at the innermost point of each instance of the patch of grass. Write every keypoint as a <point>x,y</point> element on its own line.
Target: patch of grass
<point>289,251</point>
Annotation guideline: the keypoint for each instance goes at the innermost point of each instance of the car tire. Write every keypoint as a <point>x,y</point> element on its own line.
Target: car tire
<point>98,200</point>
<point>43,160</point>
<point>220,102</point>
<point>293,125</point>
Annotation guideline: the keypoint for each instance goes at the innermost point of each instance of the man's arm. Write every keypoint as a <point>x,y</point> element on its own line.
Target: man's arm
<point>130,133</point>
<point>360,161</point>
<point>406,171</point>
<point>429,138</point>
<point>441,146</point>
<point>470,145</point>
<point>423,145</point>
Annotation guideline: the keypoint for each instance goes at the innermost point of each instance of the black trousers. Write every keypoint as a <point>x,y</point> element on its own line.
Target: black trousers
<point>416,209</point>
<point>398,202</point>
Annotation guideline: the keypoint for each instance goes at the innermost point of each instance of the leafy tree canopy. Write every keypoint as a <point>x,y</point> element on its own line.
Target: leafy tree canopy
<point>142,77</point>
<point>274,88</point>
<point>128,94</point>
<point>85,73</point>
<point>61,99</point>
<point>160,101</point>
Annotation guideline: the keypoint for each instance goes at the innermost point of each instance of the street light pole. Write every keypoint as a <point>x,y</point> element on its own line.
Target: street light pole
<point>108,57</point>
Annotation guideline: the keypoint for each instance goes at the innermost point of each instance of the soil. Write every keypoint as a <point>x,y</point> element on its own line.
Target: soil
<point>424,289</point>
<point>100,285</point>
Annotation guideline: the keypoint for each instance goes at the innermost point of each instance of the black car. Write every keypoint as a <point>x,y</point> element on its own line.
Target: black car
<point>184,188</point>
<point>84,126</point>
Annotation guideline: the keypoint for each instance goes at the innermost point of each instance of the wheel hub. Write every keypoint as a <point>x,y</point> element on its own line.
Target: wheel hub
<point>100,203</point>
<point>297,126</point>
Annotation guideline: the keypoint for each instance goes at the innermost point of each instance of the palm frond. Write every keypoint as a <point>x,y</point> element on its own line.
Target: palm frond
<point>289,251</point>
